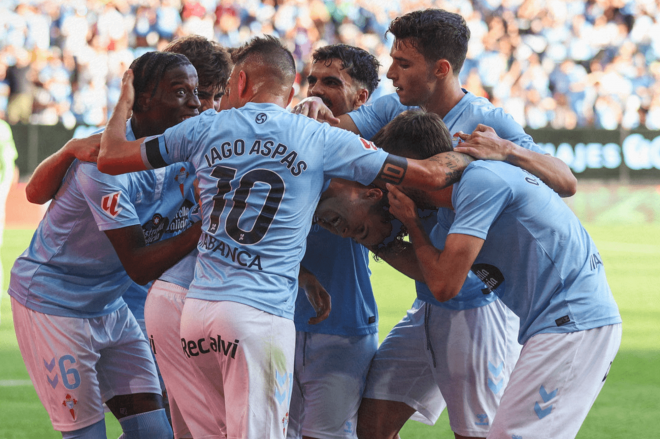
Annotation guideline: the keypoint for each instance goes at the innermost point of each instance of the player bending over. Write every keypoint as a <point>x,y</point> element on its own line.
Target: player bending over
<point>261,171</point>
<point>101,234</point>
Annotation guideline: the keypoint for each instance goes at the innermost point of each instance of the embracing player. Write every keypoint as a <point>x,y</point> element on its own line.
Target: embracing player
<point>236,327</point>
<point>333,356</point>
<point>80,343</point>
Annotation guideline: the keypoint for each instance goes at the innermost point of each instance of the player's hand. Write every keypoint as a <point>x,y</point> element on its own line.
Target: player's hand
<point>401,206</point>
<point>127,94</point>
<point>317,295</point>
<point>86,149</point>
<point>484,144</point>
<point>314,108</point>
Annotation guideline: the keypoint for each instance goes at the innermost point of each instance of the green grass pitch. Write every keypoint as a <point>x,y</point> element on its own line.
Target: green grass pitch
<point>627,407</point>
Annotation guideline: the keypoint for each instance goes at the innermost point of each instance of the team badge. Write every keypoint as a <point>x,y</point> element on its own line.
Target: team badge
<point>109,204</point>
<point>261,118</point>
<point>181,179</point>
<point>285,422</point>
<point>368,145</point>
<point>69,402</point>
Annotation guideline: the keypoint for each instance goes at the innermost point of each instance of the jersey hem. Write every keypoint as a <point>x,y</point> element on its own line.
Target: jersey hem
<point>599,323</point>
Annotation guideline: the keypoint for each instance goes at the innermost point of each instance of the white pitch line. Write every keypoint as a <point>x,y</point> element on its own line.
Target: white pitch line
<point>628,248</point>
<point>15,383</point>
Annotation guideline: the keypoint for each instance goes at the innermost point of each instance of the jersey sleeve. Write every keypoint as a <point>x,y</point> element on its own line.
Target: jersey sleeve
<point>348,156</point>
<point>479,198</point>
<point>109,198</point>
<point>370,118</point>
<point>174,145</point>
<point>507,128</point>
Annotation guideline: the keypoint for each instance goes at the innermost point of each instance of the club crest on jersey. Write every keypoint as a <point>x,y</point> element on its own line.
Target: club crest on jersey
<point>368,145</point>
<point>110,203</point>
<point>181,179</point>
<point>69,402</point>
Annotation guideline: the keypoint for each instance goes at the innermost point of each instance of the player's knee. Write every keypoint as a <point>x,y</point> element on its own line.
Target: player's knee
<point>94,431</point>
<point>149,425</point>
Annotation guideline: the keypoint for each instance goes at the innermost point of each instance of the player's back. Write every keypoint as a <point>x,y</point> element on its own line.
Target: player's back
<point>261,170</point>
<point>537,257</point>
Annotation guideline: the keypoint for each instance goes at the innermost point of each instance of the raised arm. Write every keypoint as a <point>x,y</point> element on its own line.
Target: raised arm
<point>145,263</point>
<point>118,155</point>
<point>47,178</point>
<point>444,272</point>
<point>485,144</point>
<point>314,108</point>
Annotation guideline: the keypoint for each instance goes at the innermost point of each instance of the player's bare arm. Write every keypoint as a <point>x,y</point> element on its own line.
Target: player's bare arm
<point>485,144</point>
<point>444,271</point>
<point>402,258</point>
<point>118,155</point>
<point>317,295</point>
<point>314,108</point>
<point>47,178</point>
<point>433,175</point>
<point>145,263</point>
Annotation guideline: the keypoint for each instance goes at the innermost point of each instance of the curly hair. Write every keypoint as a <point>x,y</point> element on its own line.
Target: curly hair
<point>210,59</point>
<point>435,33</point>
<point>149,69</point>
<point>359,64</point>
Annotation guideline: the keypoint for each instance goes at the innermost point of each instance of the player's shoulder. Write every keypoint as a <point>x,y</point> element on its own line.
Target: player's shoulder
<point>485,173</point>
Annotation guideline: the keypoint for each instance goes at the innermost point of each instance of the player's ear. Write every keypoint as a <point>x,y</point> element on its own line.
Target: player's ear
<point>442,69</point>
<point>373,194</point>
<point>242,83</point>
<point>361,98</point>
<point>291,93</point>
<point>143,101</point>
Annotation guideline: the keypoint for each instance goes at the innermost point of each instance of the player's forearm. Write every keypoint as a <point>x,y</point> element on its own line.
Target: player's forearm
<point>47,177</point>
<point>150,262</point>
<point>117,154</point>
<point>551,170</point>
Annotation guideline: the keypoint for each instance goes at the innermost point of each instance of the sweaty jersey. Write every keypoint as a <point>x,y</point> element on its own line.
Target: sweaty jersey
<point>70,268</point>
<point>536,257</point>
<point>341,265</point>
<point>465,116</point>
<point>260,170</point>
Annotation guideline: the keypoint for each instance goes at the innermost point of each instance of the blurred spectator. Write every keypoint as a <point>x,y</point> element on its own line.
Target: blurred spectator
<point>556,63</point>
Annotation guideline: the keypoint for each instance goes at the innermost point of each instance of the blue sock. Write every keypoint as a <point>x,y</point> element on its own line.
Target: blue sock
<point>149,425</point>
<point>94,431</point>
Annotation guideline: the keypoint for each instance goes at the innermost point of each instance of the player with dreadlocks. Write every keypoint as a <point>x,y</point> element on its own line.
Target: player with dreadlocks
<point>101,237</point>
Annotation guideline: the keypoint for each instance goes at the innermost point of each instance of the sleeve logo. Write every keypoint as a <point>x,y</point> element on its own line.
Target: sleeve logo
<point>368,145</point>
<point>109,204</point>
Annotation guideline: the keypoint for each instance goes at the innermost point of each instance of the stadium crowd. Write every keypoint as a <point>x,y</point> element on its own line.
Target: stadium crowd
<point>548,63</point>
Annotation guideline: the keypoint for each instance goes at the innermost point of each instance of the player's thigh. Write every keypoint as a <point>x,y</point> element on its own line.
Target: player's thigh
<point>332,375</point>
<point>61,357</point>
<point>382,419</point>
<point>251,353</point>
<point>555,383</point>
<point>126,365</point>
<point>473,353</point>
<point>401,370</point>
<point>162,313</point>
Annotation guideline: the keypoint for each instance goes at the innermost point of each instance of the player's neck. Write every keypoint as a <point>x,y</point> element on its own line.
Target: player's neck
<point>445,97</point>
<point>269,98</point>
<point>145,127</point>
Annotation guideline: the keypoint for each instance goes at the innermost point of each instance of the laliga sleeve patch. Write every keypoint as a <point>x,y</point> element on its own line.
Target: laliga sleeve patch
<point>368,145</point>
<point>110,204</point>
<point>393,170</point>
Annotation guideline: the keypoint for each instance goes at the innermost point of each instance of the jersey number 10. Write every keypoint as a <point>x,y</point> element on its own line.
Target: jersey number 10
<point>225,176</point>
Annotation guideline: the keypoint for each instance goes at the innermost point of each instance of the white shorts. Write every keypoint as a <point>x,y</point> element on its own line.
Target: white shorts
<point>330,373</point>
<point>436,358</point>
<point>162,314</point>
<point>555,383</point>
<point>243,358</point>
<point>77,364</point>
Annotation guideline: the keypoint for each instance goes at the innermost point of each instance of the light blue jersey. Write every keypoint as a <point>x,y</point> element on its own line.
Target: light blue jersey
<point>465,116</point>
<point>536,257</point>
<point>341,265</point>
<point>70,268</point>
<point>260,170</point>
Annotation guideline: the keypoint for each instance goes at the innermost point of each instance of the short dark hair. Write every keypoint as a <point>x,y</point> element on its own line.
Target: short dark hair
<point>358,63</point>
<point>209,58</point>
<point>271,53</point>
<point>414,134</point>
<point>435,33</point>
<point>149,69</point>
